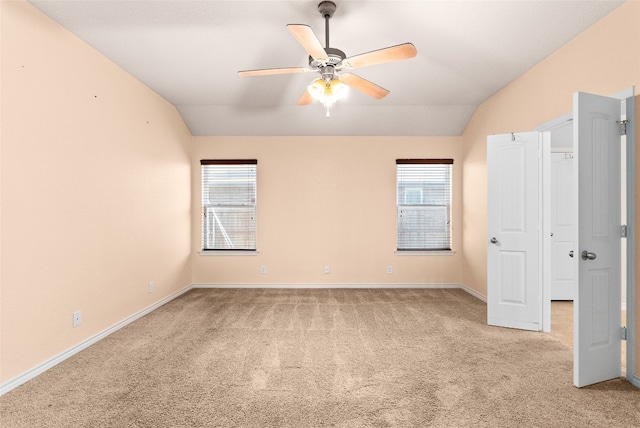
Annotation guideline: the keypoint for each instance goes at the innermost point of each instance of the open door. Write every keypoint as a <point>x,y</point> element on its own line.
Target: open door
<point>562,225</point>
<point>514,237</point>
<point>597,251</point>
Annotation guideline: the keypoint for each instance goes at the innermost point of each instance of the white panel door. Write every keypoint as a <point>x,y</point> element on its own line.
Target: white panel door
<point>562,227</point>
<point>514,213</point>
<point>598,268</point>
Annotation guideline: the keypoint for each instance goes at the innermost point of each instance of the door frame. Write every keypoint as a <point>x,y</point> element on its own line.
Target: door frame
<point>627,96</point>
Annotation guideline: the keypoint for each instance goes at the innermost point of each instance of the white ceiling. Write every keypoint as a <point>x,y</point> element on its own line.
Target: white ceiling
<point>189,52</point>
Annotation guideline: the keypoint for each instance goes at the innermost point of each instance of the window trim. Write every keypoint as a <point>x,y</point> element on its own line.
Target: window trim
<point>424,161</point>
<point>226,251</point>
<point>426,251</point>
<point>228,162</point>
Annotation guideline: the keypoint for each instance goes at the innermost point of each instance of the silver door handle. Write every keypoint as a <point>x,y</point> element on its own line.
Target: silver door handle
<point>571,253</point>
<point>586,255</point>
<point>494,240</point>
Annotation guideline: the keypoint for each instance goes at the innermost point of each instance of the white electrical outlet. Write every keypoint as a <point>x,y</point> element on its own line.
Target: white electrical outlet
<point>150,287</point>
<point>389,269</point>
<point>76,318</point>
<point>263,269</point>
<point>326,269</point>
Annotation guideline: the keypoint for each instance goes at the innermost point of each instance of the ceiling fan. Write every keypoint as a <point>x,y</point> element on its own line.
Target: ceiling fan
<point>331,64</point>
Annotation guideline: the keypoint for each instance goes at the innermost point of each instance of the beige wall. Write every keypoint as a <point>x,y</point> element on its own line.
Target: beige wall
<point>326,201</point>
<point>95,179</point>
<point>602,60</point>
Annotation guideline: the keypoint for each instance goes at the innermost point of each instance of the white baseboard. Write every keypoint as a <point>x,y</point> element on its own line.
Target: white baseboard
<point>386,285</point>
<point>46,365</point>
<point>474,293</point>
<point>635,381</point>
<point>350,285</point>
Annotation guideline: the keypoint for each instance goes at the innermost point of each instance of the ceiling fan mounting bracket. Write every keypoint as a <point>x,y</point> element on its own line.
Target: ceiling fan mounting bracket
<point>326,8</point>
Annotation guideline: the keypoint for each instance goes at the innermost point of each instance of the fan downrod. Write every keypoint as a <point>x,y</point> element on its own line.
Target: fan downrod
<point>335,56</point>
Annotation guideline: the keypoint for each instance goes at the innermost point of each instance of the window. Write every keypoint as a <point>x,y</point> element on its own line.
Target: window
<point>423,204</point>
<point>229,204</point>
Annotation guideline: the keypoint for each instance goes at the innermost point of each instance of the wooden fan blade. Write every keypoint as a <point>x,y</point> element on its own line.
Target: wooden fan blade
<point>305,36</point>
<point>305,99</point>
<point>270,71</point>
<point>392,53</point>
<point>363,85</point>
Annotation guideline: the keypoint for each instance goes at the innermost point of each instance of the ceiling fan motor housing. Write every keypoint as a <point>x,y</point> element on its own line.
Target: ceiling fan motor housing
<point>335,57</point>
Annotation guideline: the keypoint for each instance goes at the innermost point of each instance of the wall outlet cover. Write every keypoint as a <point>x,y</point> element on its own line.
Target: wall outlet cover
<point>76,318</point>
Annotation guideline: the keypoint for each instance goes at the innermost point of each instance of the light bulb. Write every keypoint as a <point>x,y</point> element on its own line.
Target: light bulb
<point>316,89</point>
<point>340,90</point>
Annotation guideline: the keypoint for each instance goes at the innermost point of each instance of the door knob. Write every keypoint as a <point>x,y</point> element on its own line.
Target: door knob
<point>586,255</point>
<point>494,240</point>
<point>571,253</point>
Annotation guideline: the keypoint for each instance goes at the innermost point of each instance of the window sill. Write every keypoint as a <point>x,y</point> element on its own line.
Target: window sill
<point>425,253</point>
<point>207,253</point>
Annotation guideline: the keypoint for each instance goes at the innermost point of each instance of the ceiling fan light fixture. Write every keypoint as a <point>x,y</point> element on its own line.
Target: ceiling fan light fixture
<point>327,92</point>
<point>328,61</point>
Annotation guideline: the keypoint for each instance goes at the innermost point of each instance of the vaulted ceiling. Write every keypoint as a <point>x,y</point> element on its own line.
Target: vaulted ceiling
<point>190,51</point>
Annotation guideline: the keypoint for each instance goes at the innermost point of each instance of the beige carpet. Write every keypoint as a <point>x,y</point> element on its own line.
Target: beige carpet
<point>314,358</point>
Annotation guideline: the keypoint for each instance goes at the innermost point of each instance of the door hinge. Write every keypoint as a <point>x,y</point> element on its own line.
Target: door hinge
<point>623,231</point>
<point>623,333</point>
<point>623,126</point>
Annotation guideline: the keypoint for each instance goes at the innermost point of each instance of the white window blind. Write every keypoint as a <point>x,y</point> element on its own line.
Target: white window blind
<point>229,204</point>
<point>423,204</point>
